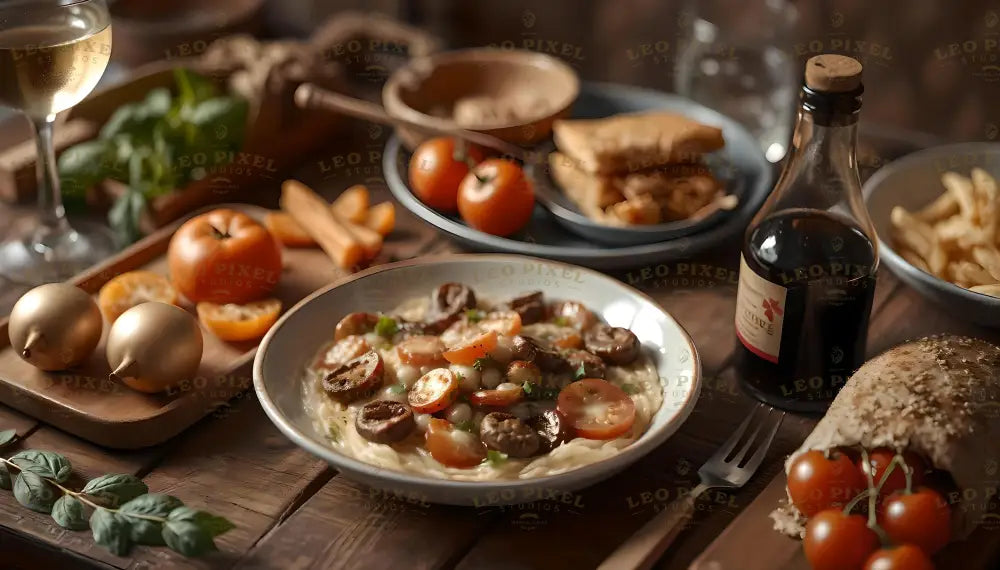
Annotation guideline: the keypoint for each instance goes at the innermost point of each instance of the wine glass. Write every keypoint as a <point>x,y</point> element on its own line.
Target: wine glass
<point>52,54</point>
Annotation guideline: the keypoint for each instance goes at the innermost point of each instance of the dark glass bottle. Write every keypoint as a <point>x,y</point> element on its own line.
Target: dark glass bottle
<point>810,255</point>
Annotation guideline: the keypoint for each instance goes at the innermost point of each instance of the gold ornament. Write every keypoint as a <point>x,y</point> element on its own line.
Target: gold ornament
<point>55,326</point>
<point>153,346</point>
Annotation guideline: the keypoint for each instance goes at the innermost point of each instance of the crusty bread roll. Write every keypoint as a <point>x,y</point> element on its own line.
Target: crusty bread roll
<point>937,396</point>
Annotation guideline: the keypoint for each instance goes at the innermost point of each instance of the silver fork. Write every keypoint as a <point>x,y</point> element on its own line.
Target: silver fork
<point>644,547</point>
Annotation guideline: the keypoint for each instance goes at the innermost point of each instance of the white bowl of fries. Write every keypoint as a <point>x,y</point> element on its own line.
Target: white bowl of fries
<point>937,215</point>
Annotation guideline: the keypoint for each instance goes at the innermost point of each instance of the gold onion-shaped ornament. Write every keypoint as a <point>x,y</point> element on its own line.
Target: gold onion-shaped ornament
<point>154,346</point>
<point>55,326</point>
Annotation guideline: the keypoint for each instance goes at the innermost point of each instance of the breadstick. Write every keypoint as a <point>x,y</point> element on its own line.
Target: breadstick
<point>316,218</point>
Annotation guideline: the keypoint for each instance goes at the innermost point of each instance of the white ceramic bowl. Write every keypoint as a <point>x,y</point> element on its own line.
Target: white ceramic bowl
<point>292,342</point>
<point>913,182</point>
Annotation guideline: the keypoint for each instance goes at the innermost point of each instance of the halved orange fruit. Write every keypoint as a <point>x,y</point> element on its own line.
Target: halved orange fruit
<point>234,322</point>
<point>132,288</point>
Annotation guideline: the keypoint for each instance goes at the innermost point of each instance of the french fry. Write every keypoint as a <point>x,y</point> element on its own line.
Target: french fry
<point>287,230</point>
<point>915,260</point>
<point>382,218</point>
<point>316,218</point>
<point>912,233</point>
<point>989,258</point>
<point>993,290</point>
<point>968,273</point>
<point>369,238</point>
<point>352,204</point>
<point>961,188</point>
<point>985,187</point>
<point>944,206</point>
<point>938,260</point>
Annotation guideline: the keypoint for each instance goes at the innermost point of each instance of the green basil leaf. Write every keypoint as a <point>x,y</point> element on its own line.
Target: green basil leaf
<point>5,482</point>
<point>45,463</point>
<point>117,488</point>
<point>152,504</point>
<point>124,216</point>
<point>111,531</point>
<point>34,492</point>
<point>212,524</point>
<point>386,326</point>
<point>220,122</point>
<point>69,513</point>
<point>187,538</point>
<point>496,458</point>
<point>7,436</point>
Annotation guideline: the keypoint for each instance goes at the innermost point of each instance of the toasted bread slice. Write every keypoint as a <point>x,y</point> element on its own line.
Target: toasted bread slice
<point>591,193</point>
<point>636,141</point>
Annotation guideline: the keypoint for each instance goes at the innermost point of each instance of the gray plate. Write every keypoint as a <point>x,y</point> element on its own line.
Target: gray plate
<point>545,236</point>
<point>913,182</point>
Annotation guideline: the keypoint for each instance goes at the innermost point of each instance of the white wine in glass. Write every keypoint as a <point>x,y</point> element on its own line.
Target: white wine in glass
<point>52,54</point>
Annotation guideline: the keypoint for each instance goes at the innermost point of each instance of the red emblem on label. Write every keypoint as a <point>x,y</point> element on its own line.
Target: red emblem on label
<point>771,307</point>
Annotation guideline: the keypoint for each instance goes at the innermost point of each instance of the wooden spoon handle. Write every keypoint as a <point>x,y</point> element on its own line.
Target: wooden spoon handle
<point>310,96</point>
<point>643,548</point>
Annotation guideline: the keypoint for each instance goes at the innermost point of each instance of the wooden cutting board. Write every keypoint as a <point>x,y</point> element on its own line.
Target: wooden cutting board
<point>85,403</point>
<point>749,543</point>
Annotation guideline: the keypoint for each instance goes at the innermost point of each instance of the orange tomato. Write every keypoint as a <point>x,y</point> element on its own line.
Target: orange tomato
<point>436,172</point>
<point>473,349</point>
<point>224,256</point>
<point>596,409</point>
<point>453,447</point>
<point>131,288</point>
<point>507,323</point>
<point>239,322</point>
<point>433,391</point>
<point>497,398</point>
<point>496,197</point>
<point>421,350</point>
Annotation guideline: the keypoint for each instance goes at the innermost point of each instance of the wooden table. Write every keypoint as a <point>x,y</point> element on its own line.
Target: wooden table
<point>294,512</point>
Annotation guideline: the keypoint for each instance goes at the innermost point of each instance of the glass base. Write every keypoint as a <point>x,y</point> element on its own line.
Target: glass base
<point>36,255</point>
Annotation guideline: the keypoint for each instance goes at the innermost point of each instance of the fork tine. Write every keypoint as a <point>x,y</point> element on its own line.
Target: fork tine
<point>758,455</point>
<point>753,437</point>
<point>730,444</point>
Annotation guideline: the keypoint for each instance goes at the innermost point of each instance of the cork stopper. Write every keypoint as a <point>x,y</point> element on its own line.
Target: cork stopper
<point>832,73</point>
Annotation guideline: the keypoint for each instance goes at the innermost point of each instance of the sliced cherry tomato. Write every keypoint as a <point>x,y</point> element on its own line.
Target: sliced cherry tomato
<point>342,351</point>
<point>496,197</point>
<point>436,172</point>
<point>500,397</point>
<point>433,391</point>
<point>879,460</point>
<point>905,557</point>
<point>421,350</point>
<point>921,518</point>
<point>473,349</point>
<point>816,482</point>
<point>453,447</point>
<point>507,323</point>
<point>572,314</point>
<point>596,409</point>
<point>235,323</point>
<point>355,323</point>
<point>835,541</point>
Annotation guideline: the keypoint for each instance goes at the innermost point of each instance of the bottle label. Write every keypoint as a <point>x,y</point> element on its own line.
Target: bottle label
<point>760,313</point>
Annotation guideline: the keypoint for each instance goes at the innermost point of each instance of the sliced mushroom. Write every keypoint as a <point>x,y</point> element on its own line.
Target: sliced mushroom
<point>572,313</point>
<point>355,323</point>
<point>507,434</point>
<point>550,428</point>
<point>613,344</point>
<point>385,421</point>
<point>585,364</point>
<point>448,302</point>
<point>534,350</point>
<point>530,307</point>
<point>355,379</point>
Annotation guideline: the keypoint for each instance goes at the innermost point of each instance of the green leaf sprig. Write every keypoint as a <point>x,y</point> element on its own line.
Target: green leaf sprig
<point>117,508</point>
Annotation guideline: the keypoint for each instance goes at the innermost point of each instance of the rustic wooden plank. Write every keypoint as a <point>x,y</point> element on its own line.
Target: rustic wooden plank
<point>23,552</point>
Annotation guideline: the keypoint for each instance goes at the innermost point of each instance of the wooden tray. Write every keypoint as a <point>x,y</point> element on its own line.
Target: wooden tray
<point>85,403</point>
<point>749,543</point>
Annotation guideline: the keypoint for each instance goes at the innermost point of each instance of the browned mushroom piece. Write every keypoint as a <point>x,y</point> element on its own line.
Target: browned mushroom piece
<point>506,433</point>
<point>572,314</point>
<point>530,307</point>
<point>448,302</point>
<point>534,350</point>
<point>613,344</point>
<point>551,430</point>
<point>585,364</point>
<point>355,379</point>
<point>385,421</point>
<point>355,323</point>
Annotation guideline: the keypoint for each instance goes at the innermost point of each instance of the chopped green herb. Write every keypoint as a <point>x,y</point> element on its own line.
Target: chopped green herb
<point>397,388</point>
<point>386,326</point>
<point>467,425</point>
<point>580,372</point>
<point>561,321</point>
<point>496,458</point>
<point>533,391</point>
<point>485,361</point>
<point>474,315</point>
<point>630,388</point>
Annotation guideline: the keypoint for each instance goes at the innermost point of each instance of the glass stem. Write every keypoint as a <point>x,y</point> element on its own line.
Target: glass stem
<point>51,214</point>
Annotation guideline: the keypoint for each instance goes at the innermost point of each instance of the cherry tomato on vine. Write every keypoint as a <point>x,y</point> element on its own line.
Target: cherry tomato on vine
<point>816,482</point>
<point>905,557</point>
<point>879,460</point>
<point>835,541</point>
<point>436,172</point>
<point>921,518</point>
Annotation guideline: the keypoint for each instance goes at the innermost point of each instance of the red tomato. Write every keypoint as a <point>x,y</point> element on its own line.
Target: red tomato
<point>224,256</point>
<point>421,350</point>
<point>835,541</point>
<point>496,197</point>
<point>497,398</point>
<point>921,518</point>
<point>596,409</point>
<point>879,460</point>
<point>435,174</point>
<point>816,483</point>
<point>433,391</point>
<point>453,447</point>
<point>905,557</point>
<point>473,349</point>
